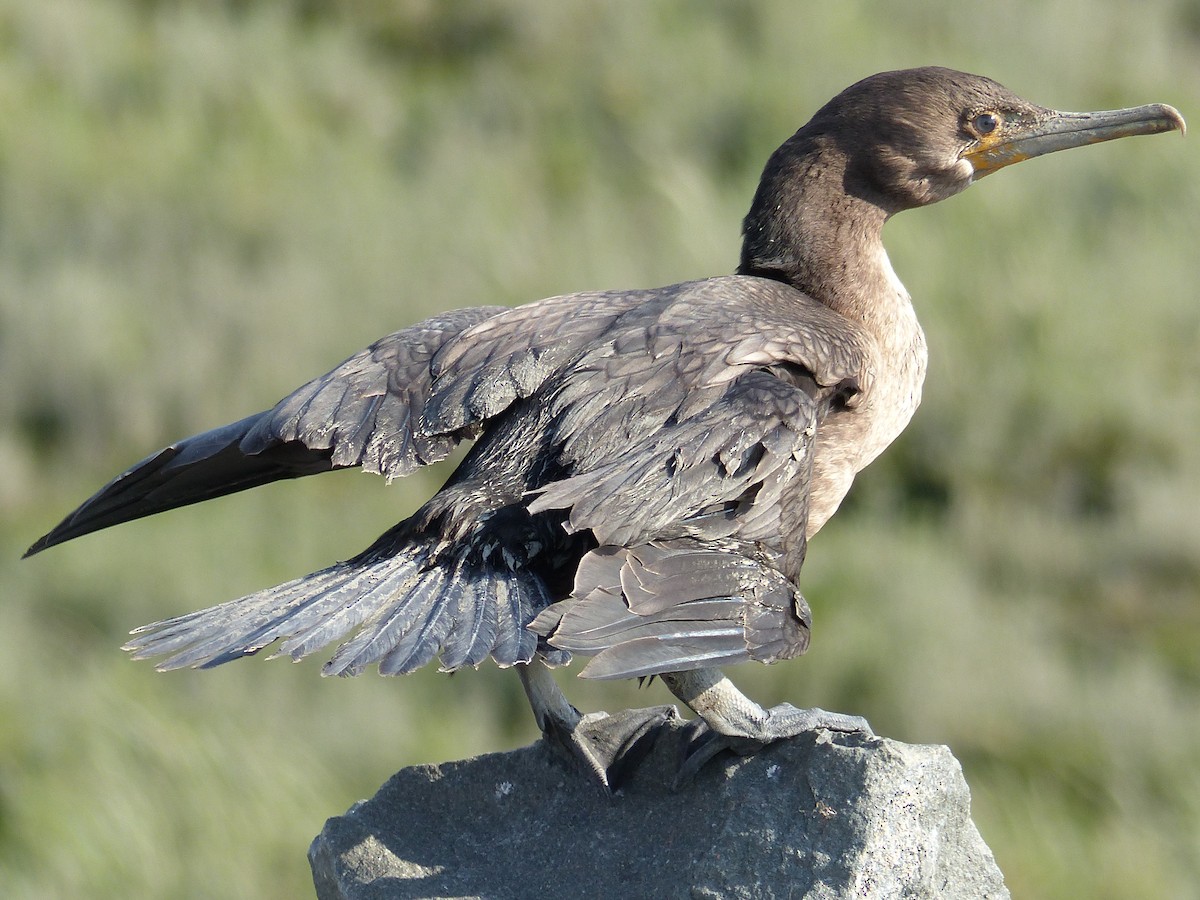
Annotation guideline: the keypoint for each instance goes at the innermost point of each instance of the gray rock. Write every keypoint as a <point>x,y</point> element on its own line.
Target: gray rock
<point>821,817</point>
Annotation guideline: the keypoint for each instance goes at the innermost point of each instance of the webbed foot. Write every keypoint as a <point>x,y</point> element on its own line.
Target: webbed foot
<point>700,742</point>
<point>729,720</point>
<point>610,747</point>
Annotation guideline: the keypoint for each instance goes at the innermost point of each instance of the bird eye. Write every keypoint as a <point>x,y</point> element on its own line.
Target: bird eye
<point>985,123</point>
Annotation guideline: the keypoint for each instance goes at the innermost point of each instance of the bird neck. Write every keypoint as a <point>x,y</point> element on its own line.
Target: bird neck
<point>818,227</point>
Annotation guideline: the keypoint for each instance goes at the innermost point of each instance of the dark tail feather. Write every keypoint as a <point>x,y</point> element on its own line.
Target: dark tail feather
<point>201,467</point>
<point>402,610</point>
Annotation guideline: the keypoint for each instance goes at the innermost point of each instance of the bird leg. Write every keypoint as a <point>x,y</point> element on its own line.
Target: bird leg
<point>609,746</point>
<point>729,720</point>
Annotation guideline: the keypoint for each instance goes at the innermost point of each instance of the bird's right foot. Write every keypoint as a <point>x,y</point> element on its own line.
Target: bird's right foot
<point>729,720</point>
<point>701,742</point>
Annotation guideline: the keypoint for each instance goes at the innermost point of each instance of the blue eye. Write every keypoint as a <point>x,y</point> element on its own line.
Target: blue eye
<point>985,123</point>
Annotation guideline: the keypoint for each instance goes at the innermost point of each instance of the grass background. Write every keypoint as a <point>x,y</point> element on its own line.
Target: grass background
<point>202,205</point>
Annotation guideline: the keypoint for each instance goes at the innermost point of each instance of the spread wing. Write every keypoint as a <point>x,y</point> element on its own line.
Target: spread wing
<point>408,399</point>
<point>680,424</point>
<point>404,402</point>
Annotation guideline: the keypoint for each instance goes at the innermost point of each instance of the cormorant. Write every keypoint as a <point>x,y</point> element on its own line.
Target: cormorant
<point>648,466</point>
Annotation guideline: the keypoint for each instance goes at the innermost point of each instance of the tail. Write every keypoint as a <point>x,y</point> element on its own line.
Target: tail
<point>675,606</point>
<point>404,604</point>
<point>201,467</point>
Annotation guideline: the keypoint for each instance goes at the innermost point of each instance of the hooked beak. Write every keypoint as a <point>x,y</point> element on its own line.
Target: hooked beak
<point>1019,140</point>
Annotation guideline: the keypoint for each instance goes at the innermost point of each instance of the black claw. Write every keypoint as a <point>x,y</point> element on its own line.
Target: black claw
<point>697,745</point>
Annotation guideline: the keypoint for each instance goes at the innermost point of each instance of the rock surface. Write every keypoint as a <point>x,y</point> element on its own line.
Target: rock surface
<point>825,816</point>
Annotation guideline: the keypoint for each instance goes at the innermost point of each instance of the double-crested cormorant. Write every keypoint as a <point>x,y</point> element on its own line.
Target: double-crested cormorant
<point>648,466</point>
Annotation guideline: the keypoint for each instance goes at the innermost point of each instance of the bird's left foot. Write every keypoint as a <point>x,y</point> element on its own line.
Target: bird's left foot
<point>700,742</point>
<point>610,747</point>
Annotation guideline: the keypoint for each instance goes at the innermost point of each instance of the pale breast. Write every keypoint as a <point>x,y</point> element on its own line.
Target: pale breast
<point>848,440</point>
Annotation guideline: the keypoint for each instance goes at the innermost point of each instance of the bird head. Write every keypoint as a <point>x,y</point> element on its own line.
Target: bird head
<point>916,136</point>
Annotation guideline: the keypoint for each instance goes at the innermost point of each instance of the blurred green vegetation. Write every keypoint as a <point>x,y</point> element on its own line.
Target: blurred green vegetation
<point>204,204</point>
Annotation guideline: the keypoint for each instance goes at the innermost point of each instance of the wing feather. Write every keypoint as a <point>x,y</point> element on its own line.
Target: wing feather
<point>674,606</point>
